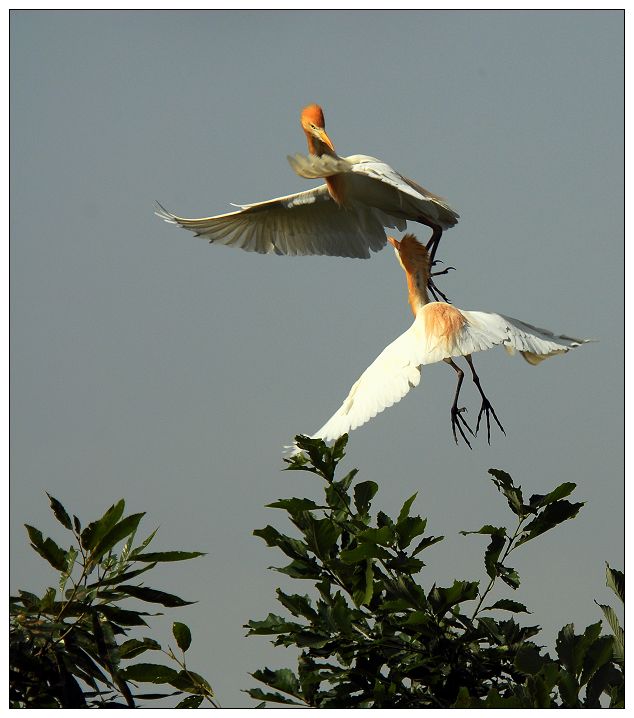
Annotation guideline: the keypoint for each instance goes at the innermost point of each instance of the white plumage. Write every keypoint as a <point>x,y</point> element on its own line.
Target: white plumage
<point>439,332</point>
<point>346,217</point>
<point>398,368</point>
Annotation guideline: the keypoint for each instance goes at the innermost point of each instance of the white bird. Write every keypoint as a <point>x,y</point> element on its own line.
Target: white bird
<point>345,217</point>
<point>440,331</point>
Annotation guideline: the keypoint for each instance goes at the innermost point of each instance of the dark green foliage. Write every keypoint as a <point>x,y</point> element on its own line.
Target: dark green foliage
<point>373,635</point>
<point>69,648</point>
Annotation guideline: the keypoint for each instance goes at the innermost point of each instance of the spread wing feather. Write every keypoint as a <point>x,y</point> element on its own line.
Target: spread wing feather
<point>484,330</point>
<point>397,369</point>
<point>308,222</point>
<point>385,382</point>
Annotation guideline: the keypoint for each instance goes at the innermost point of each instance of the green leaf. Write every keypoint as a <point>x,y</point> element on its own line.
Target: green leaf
<point>492,553</point>
<point>337,498</point>
<point>93,533</point>
<point>106,642</point>
<point>191,682</point>
<point>48,600</point>
<point>569,689</point>
<point>321,535</point>
<point>488,529</point>
<point>404,564</point>
<point>408,528</point>
<point>60,512</point>
<point>149,673</point>
<point>151,595</point>
<point>259,694</point>
<point>115,534</point>
<point>163,556</point>
<point>123,617</point>
<point>182,634</point>
<point>369,583</point>
<point>505,604</point>
<point>619,633</point>
<point>364,492</point>
<point>383,536</point>
<point>362,552</point>
<point>338,449</point>
<point>125,576</point>
<point>417,618</point>
<point>294,506</point>
<point>47,548</point>
<point>272,625</point>
<point>404,512</point>
<point>297,605</point>
<point>190,702</point>
<point>133,647</point>
<point>527,659</point>
<point>513,493</point>
<point>598,653</point>
<point>283,680</point>
<point>508,575</point>
<point>442,599</point>
<point>616,581</point>
<point>552,515</point>
<point>304,568</point>
<point>605,677</point>
<point>426,543</point>
<point>143,545</point>
<point>572,649</point>
<point>538,501</point>
<point>495,700</point>
<point>71,556</point>
<point>290,546</point>
<point>494,629</point>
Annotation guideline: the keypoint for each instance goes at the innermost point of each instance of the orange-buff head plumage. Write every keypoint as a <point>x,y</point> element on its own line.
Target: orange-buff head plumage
<point>313,114</point>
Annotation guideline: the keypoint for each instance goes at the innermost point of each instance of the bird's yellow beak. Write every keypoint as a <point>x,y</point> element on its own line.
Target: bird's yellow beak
<point>321,134</point>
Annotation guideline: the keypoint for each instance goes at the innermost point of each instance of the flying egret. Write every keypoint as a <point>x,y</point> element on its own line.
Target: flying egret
<point>440,331</point>
<point>345,217</point>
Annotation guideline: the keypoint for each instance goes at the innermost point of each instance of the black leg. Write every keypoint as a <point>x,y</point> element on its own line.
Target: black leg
<point>432,246</point>
<point>457,420</point>
<point>486,407</point>
<point>433,243</point>
<point>436,293</point>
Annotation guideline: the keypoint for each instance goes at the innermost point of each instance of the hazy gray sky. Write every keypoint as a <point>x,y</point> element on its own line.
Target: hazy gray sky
<point>151,366</point>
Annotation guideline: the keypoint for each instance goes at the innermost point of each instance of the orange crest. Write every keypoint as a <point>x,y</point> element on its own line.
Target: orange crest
<point>414,255</point>
<point>313,114</point>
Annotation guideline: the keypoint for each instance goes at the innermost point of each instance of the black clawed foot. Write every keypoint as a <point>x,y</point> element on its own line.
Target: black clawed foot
<point>457,422</point>
<point>436,293</point>
<point>446,270</point>
<point>487,410</point>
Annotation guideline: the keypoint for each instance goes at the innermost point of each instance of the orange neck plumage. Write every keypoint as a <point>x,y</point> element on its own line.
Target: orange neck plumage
<point>414,259</point>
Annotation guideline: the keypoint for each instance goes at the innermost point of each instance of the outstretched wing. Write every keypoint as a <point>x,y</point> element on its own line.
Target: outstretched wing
<point>385,382</point>
<point>304,223</point>
<point>484,330</point>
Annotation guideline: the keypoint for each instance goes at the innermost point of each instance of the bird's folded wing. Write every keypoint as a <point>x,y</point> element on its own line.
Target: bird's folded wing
<point>312,166</point>
<point>371,167</point>
<point>386,381</point>
<point>305,223</point>
<point>411,200</point>
<point>484,330</point>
